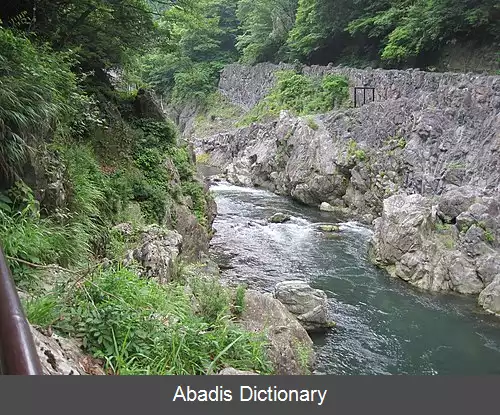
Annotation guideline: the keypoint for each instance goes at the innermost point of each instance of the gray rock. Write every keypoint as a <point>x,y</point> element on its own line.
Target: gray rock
<point>411,241</point>
<point>289,346</point>
<point>488,266</point>
<point>279,218</point>
<point>308,304</point>
<point>456,201</point>
<point>326,207</point>
<point>124,229</point>
<point>157,253</point>
<point>419,137</point>
<point>61,356</point>
<point>230,371</point>
<point>195,238</point>
<point>489,298</point>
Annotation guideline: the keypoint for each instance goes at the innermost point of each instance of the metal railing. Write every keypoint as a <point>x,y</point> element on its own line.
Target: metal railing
<point>364,89</point>
<point>18,355</point>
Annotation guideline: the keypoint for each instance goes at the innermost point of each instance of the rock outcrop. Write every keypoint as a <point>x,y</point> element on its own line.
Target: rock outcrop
<point>289,345</point>
<point>61,356</point>
<point>308,304</point>
<point>447,243</point>
<point>157,253</point>
<point>230,371</point>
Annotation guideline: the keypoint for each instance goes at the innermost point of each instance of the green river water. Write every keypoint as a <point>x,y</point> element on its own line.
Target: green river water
<point>384,326</point>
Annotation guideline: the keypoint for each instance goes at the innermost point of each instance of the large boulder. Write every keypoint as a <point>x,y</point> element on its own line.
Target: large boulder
<point>157,253</point>
<point>489,298</point>
<point>405,219</point>
<point>289,346</point>
<point>61,356</point>
<point>412,242</point>
<point>456,201</point>
<point>308,304</point>
<point>195,238</point>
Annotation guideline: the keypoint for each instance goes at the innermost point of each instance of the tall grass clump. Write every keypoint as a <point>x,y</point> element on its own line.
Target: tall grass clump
<point>38,94</point>
<point>27,236</point>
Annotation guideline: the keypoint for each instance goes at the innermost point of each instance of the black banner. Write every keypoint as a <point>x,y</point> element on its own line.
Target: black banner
<point>247,394</point>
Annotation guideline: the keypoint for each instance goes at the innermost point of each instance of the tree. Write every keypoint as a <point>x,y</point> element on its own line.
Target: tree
<point>265,25</point>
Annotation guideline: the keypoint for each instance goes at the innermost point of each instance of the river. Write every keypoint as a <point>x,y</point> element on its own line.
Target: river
<point>384,326</point>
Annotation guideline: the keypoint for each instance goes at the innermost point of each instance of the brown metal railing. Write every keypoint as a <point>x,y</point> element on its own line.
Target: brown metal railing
<point>18,354</point>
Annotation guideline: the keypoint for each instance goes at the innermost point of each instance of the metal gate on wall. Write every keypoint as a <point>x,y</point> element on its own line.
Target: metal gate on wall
<point>363,95</point>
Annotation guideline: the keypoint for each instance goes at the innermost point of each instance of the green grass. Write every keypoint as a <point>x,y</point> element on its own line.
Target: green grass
<point>27,236</point>
<point>138,326</point>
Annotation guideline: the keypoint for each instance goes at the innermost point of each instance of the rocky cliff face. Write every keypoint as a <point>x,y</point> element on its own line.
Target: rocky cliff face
<point>445,243</point>
<point>426,134</point>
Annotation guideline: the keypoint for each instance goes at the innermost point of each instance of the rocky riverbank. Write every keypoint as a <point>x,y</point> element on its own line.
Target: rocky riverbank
<point>423,159</point>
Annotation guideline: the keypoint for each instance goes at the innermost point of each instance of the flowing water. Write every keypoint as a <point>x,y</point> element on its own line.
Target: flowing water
<point>384,326</point>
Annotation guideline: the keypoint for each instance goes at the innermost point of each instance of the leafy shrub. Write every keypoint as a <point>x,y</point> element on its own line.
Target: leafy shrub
<point>155,134</point>
<point>43,311</point>
<point>239,301</point>
<point>196,83</point>
<point>302,95</point>
<point>195,191</point>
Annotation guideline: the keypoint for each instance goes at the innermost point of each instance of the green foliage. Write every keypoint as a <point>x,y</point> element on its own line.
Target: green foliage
<point>265,25</point>
<point>38,94</point>
<point>239,302</point>
<point>320,23</point>
<point>488,234</point>
<point>195,191</point>
<point>198,42</point>
<point>354,152</point>
<point>25,235</point>
<point>196,83</point>
<point>213,299</point>
<point>442,227</point>
<point>456,165</point>
<point>141,327</point>
<point>407,29</point>
<point>311,122</point>
<point>303,353</point>
<point>302,95</point>
<point>43,311</point>
<point>218,114</point>
<point>102,32</point>
<point>147,181</point>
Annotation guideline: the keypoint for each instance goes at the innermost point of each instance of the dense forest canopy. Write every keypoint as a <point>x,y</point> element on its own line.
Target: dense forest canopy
<point>179,47</point>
